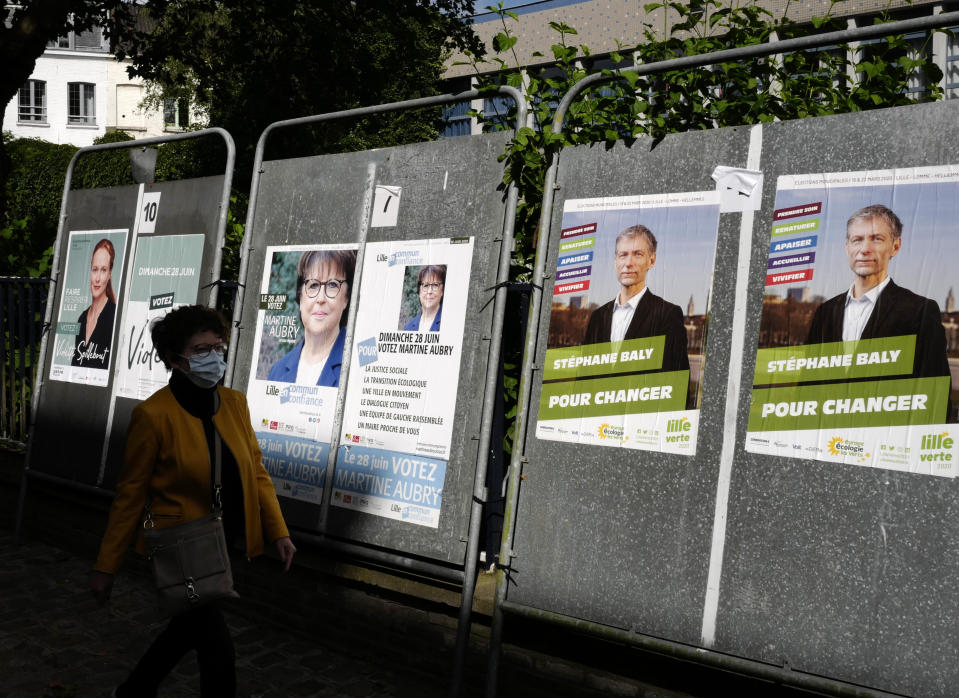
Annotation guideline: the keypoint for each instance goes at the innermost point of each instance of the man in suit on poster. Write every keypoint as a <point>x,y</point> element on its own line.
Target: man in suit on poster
<point>874,306</point>
<point>637,312</point>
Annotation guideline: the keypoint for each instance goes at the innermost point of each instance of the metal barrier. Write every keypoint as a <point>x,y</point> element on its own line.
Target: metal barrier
<point>88,428</point>
<point>381,552</point>
<point>700,654</point>
<point>22,308</point>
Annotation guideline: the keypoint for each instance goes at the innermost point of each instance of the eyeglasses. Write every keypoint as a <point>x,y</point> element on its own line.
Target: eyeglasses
<point>311,287</point>
<point>431,286</point>
<point>201,351</point>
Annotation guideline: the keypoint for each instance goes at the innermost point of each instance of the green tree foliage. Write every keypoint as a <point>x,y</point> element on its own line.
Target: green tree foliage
<point>791,86</point>
<point>35,189</point>
<point>250,63</point>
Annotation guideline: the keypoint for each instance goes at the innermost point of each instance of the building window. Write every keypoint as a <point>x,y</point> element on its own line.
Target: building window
<point>87,40</point>
<point>33,101</point>
<point>81,103</point>
<point>952,64</point>
<point>457,120</point>
<point>176,114</point>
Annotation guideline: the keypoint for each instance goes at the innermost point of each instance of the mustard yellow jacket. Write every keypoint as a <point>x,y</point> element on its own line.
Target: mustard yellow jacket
<point>168,462</point>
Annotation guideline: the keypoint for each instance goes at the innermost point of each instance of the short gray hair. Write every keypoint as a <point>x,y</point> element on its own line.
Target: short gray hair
<point>638,231</point>
<point>877,211</point>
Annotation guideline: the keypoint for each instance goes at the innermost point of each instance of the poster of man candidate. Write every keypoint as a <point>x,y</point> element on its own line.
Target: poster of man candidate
<point>627,330</point>
<point>858,338</point>
<point>83,349</point>
<point>164,276</point>
<point>404,377</point>
<point>298,353</point>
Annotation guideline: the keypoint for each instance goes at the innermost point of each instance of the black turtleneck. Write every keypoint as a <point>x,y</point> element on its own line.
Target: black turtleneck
<point>202,404</point>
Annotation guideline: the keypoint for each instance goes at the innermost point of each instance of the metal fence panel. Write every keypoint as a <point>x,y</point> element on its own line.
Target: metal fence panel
<point>831,571</point>
<point>449,189</point>
<point>839,570</point>
<point>67,437</point>
<point>616,536</point>
<point>187,209</point>
<point>77,435</point>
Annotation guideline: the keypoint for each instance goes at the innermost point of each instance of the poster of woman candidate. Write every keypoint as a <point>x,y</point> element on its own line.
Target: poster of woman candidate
<point>83,349</point>
<point>164,276</point>
<point>858,338</point>
<point>627,330</point>
<point>297,355</point>
<point>404,375</point>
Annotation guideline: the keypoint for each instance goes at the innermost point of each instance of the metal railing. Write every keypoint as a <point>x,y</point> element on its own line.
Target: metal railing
<point>22,305</point>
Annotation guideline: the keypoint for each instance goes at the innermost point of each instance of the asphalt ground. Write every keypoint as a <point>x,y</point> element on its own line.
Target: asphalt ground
<point>56,641</point>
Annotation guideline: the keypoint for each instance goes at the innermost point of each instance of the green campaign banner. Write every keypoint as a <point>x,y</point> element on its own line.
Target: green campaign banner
<point>622,395</point>
<point>846,405</point>
<point>865,358</point>
<point>629,356</point>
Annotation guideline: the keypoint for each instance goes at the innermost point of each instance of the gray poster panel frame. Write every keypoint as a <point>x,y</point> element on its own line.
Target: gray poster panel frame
<point>100,425</point>
<point>332,529</point>
<point>741,334</point>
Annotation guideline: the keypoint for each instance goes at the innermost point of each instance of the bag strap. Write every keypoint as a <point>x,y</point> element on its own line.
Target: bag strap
<point>216,506</point>
<point>216,497</point>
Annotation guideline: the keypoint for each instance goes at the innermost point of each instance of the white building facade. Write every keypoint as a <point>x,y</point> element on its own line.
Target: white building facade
<point>78,91</point>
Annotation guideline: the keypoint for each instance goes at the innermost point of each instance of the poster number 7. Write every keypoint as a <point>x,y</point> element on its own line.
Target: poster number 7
<point>147,215</point>
<point>386,206</point>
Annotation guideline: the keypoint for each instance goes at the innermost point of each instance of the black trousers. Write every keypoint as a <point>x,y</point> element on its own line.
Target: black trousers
<point>203,629</point>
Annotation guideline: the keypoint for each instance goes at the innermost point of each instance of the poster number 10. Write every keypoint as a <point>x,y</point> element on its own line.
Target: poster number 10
<point>149,207</point>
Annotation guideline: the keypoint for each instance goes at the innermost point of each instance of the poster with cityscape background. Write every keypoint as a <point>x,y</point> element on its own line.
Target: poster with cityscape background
<point>633,380</point>
<point>859,341</point>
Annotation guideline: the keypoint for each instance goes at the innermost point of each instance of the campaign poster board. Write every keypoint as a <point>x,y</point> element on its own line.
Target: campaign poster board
<point>165,275</point>
<point>404,376</point>
<point>92,277</point>
<point>885,399</point>
<point>293,400</point>
<point>644,391</point>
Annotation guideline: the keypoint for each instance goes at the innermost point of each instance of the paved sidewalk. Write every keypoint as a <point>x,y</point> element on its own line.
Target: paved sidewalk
<point>55,641</point>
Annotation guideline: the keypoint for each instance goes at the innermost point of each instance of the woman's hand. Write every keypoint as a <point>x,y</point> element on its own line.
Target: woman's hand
<point>101,584</point>
<point>286,549</point>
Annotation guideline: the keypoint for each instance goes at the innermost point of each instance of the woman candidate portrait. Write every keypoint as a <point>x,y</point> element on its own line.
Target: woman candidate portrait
<point>323,279</point>
<point>92,344</point>
<point>431,283</point>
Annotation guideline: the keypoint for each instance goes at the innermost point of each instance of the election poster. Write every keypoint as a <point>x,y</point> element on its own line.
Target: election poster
<point>628,322</point>
<point>83,346</point>
<point>401,397</point>
<point>298,349</point>
<point>165,275</point>
<point>859,335</point>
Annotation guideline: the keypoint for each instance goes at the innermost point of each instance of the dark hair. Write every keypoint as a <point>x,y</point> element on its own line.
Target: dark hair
<point>433,270</point>
<point>171,332</point>
<point>108,246</point>
<point>638,231</point>
<point>344,259</point>
<point>877,211</point>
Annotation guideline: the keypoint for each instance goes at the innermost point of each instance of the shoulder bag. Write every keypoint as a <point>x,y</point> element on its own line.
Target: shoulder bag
<point>191,562</point>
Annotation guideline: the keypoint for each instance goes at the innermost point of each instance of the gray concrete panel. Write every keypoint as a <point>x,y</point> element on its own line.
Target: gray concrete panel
<point>67,438</point>
<point>72,420</point>
<point>843,571</point>
<point>450,188</point>
<point>189,207</point>
<point>615,536</point>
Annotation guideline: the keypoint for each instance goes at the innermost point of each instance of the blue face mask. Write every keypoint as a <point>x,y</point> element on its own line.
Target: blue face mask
<point>206,371</point>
